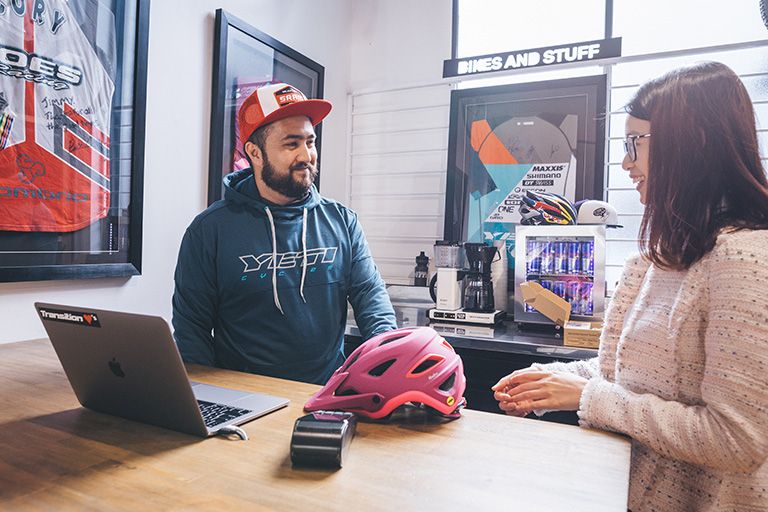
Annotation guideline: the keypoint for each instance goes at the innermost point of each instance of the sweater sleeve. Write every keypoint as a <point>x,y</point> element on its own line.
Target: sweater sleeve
<point>367,293</point>
<point>588,368</point>
<point>194,300</point>
<point>727,431</point>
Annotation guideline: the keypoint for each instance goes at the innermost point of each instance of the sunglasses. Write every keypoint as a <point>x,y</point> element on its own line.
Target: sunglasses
<point>630,145</point>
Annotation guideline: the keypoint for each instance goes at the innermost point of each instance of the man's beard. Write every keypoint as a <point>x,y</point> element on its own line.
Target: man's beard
<point>286,184</point>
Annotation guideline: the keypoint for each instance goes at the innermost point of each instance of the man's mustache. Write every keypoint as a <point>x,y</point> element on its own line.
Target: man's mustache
<point>301,167</point>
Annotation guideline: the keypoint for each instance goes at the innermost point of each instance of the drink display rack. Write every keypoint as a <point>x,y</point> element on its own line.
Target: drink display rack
<point>564,266</point>
<point>567,260</point>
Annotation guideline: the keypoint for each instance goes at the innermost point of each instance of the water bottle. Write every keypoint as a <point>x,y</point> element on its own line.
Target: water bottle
<point>421,270</point>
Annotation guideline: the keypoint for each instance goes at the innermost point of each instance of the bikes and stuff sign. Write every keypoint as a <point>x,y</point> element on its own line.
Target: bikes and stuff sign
<point>586,51</point>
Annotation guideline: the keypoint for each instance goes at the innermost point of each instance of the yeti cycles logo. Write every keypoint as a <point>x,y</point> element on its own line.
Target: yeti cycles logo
<point>288,260</point>
<point>71,317</point>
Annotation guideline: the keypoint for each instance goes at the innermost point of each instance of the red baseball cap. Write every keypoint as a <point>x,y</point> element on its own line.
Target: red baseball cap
<point>274,102</point>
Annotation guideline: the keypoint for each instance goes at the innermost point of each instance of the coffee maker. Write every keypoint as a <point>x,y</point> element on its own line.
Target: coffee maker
<point>476,297</point>
<point>478,288</point>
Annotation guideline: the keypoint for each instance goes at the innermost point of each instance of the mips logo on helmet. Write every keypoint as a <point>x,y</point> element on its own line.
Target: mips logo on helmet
<point>285,260</point>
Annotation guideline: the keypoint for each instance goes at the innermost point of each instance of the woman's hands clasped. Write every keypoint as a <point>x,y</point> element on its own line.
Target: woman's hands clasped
<point>523,391</point>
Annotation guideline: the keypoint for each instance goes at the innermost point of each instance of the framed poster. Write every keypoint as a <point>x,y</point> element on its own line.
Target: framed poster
<point>541,136</point>
<point>72,105</point>
<point>244,58</point>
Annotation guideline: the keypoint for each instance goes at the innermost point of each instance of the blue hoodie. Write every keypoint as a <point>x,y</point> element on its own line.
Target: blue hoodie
<point>234,308</point>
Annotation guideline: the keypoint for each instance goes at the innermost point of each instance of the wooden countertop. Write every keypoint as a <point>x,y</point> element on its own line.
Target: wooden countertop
<point>55,455</point>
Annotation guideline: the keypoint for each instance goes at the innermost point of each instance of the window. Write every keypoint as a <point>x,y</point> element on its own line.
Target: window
<point>660,25</point>
<point>650,26</point>
<point>489,26</point>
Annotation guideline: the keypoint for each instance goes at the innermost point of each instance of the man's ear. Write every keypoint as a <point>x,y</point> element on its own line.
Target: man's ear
<point>253,151</point>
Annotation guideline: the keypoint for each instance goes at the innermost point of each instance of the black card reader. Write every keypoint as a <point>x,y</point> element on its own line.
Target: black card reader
<point>322,438</point>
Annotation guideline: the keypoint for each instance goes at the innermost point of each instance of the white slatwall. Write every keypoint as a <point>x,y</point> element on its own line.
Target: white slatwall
<point>398,161</point>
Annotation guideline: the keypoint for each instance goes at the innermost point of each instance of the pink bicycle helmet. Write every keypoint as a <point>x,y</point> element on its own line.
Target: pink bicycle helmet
<point>413,364</point>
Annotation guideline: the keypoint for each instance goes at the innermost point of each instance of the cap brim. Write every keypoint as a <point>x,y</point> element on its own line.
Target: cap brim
<point>315,110</point>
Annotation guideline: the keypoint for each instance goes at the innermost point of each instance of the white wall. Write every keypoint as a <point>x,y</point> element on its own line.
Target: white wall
<point>177,120</point>
<point>399,128</point>
<point>396,43</point>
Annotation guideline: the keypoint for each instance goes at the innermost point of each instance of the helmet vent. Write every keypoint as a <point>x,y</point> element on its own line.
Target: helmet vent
<point>425,365</point>
<point>346,392</point>
<point>394,338</point>
<point>351,361</point>
<point>379,370</point>
<point>448,384</point>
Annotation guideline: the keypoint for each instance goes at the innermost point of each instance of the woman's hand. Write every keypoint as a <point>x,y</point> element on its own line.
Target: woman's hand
<point>500,393</point>
<point>522,391</point>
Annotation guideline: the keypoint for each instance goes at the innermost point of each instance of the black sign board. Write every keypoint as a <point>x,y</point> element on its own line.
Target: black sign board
<point>535,57</point>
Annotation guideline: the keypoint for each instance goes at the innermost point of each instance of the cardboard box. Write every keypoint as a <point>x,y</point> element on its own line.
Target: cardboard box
<point>552,306</point>
<point>582,334</point>
<point>546,302</point>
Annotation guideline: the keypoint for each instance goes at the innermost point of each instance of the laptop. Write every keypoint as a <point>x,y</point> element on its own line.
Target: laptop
<point>128,365</point>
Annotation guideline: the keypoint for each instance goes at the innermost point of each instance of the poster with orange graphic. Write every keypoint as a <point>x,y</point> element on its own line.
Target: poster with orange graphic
<point>505,140</point>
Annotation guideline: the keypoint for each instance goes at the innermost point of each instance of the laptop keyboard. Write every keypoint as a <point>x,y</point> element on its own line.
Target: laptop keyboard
<point>216,414</point>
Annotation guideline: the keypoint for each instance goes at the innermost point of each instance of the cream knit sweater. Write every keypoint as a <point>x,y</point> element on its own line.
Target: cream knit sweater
<point>683,370</point>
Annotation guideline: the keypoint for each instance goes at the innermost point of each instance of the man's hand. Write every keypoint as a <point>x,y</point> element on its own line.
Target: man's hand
<point>524,390</point>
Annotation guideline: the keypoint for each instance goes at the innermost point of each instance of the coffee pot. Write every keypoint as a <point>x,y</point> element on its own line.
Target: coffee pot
<point>478,287</point>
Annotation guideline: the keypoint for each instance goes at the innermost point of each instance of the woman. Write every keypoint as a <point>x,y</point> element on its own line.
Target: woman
<point>683,361</point>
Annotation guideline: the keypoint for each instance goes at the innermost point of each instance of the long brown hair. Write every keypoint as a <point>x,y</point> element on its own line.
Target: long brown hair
<point>704,172</point>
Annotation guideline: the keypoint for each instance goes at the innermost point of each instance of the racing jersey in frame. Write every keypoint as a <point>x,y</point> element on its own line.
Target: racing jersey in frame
<point>55,109</point>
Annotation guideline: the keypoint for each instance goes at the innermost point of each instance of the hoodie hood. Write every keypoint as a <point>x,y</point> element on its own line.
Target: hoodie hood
<point>240,188</point>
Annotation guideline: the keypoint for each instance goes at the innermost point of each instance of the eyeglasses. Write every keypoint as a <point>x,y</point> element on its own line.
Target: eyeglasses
<point>630,145</point>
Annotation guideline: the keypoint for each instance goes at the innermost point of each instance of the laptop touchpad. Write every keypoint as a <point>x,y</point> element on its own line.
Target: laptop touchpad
<point>217,394</point>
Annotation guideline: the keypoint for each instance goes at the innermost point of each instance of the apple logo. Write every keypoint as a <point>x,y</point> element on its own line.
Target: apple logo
<point>115,367</point>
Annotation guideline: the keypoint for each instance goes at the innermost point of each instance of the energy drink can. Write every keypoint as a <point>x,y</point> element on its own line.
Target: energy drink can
<point>546,283</point>
<point>561,257</point>
<point>574,257</point>
<point>588,258</point>
<point>558,288</point>
<point>547,257</point>
<point>587,306</point>
<point>532,257</point>
<point>573,292</point>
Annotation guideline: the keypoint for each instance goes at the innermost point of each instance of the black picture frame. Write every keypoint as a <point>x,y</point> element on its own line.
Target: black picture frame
<point>584,97</point>
<point>242,52</point>
<point>111,246</point>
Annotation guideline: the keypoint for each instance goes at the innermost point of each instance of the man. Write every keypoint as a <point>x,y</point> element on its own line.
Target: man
<point>264,275</point>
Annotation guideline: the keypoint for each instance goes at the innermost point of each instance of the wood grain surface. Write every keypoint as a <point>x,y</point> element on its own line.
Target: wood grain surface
<point>56,455</point>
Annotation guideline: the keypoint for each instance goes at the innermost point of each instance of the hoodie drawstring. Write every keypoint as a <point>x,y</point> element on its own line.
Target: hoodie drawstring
<point>275,297</point>
<point>304,257</point>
